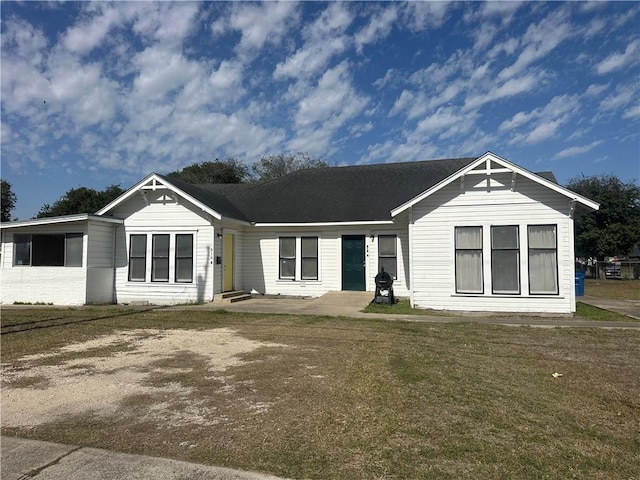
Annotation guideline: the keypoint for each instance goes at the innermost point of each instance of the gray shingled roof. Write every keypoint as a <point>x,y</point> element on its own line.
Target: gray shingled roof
<point>335,194</point>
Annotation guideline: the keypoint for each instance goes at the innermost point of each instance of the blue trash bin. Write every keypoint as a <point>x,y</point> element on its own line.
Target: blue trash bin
<point>579,283</point>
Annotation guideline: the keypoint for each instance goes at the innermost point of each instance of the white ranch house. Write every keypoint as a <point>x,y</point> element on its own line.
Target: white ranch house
<point>473,234</point>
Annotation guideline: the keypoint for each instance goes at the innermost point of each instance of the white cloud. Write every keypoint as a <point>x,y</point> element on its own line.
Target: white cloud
<point>160,71</point>
<point>440,120</point>
<point>578,150</point>
<point>227,76</point>
<point>22,40</point>
<point>542,131</point>
<point>510,88</point>
<point>91,32</point>
<point>419,16</point>
<point>327,107</point>
<point>541,123</point>
<point>617,61</point>
<point>538,41</point>
<point>377,29</point>
<point>595,90</point>
<point>324,39</point>
<point>388,78</point>
<point>623,95</point>
<point>262,23</point>
<point>360,128</point>
<point>632,112</point>
<point>333,98</point>
<point>403,102</point>
<point>557,107</point>
<point>595,26</point>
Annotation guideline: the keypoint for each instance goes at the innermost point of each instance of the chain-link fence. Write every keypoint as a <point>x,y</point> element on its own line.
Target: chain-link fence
<point>622,270</point>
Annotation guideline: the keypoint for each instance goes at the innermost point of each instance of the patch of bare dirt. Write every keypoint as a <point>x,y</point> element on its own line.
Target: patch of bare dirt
<point>97,375</point>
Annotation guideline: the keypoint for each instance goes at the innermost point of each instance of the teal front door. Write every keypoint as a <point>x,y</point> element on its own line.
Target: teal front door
<point>353,260</point>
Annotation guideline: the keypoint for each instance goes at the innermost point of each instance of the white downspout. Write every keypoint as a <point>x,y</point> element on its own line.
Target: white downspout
<point>411,284</point>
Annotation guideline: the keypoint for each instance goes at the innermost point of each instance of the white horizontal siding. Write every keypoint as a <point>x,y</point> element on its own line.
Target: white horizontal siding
<point>100,244</point>
<point>161,214</point>
<point>260,265</point>
<point>436,217</point>
<point>99,285</point>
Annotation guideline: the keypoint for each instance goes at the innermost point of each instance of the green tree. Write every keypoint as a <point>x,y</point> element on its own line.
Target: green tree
<point>8,202</point>
<point>615,228</point>
<point>81,200</point>
<point>216,171</point>
<point>274,166</point>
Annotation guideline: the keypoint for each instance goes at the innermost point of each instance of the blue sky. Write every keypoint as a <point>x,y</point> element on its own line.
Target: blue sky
<point>95,94</point>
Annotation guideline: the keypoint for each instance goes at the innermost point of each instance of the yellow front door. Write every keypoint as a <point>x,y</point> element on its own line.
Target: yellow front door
<point>228,261</point>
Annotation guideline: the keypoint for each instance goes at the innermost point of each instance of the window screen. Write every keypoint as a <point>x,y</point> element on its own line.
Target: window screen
<point>309,258</point>
<point>160,258</point>
<point>73,250</point>
<point>387,256</point>
<point>22,249</point>
<point>505,259</point>
<point>47,250</point>
<point>184,258</point>
<point>137,258</point>
<point>287,257</point>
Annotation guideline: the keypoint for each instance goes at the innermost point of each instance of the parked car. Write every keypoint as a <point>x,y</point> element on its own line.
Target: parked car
<point>612,270</point>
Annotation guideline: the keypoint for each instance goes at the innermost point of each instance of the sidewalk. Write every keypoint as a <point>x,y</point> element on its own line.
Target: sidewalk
<point>32,459</point>
<point>350,304</point>
<point>630,308</point>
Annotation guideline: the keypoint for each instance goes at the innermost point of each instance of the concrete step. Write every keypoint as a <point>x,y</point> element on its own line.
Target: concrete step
<point>231,297</point>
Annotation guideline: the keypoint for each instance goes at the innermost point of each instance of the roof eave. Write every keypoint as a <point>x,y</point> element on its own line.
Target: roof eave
<point>572,196</point>
<point>61,219</point>
<point>167,184</point>
<point>321,224</point>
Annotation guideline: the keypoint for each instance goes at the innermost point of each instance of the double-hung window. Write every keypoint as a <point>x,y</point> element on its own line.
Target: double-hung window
<point>309,248</point>
<point>298,258</point>
<point>137,258</point>
<point>287,258</point>
<point>505,259</point>
<point>160,258</point>
<point>468,245</point>
<point>543,259</point>
<point>170,258</point>
<point>184,258</point>
<point>387,255</point>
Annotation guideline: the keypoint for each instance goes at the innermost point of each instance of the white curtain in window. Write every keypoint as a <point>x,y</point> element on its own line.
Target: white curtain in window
<point>469,238</point>
<point>543,260</point>
<point>469,271</point>
<point>469,259</point>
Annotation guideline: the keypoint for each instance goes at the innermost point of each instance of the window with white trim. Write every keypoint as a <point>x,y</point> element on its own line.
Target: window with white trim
<point>161,257</point>
<point>505,259</point>
<point>48,250</point>
<point>388,255</point>
<point>309,249</point>
<point>543,259</point>
<point>287,258</point>
<point>468,246</point>
<point>184,258</point>
<point>137,258</point>
<point>299,258</point>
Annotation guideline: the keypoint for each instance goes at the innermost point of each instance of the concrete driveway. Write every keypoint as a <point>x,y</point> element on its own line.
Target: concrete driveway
<point>32,459</point>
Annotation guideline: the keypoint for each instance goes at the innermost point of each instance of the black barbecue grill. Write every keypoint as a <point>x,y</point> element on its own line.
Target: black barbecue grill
<point>384,288</point>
